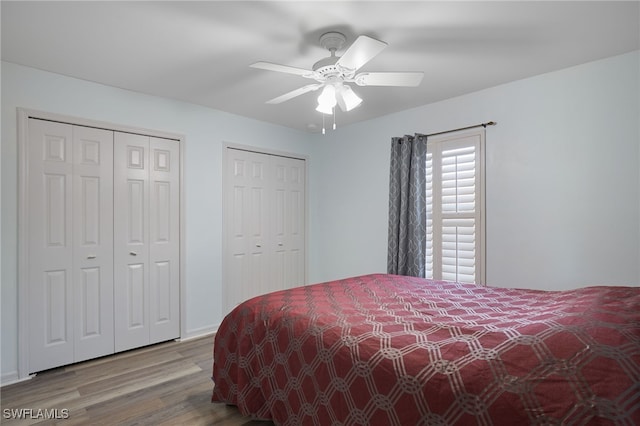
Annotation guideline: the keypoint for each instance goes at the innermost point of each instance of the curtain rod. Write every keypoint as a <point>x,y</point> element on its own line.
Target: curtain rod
<point>488,123</point>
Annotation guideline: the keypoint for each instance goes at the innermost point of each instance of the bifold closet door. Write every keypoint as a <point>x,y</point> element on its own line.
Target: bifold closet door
<point>131,240</point>
<point>246,221</point>
<point>264,224</point>
<point>164,240</point>
<point>288,221</point>
<point>146,244</point>
<point>93,242</point>
<point>70,282</point>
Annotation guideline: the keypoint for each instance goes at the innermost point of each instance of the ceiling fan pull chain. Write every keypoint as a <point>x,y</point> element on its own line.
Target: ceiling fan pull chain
<point>323,131</point>
<point>334,118</point>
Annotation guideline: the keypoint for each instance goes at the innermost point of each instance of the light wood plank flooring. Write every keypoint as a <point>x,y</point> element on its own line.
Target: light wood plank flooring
<point>165,384</point>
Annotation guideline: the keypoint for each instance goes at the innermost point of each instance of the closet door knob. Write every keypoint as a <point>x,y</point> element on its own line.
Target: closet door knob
<point>258,245</point>
<point>133,253</point>
<point>91,256</point>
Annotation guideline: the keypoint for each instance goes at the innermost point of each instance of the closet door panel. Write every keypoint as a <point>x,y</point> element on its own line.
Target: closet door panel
<point>135,304</point>
<point>256,216</point>
<point>288,222</point>
<point>278,219</point>
<point>237,235</point>
<point>237,271</point>
<point>93,242</point>
<point>164,243</point>
<point>131,240</point>
<point>50,272</point>
<point>247,267</point>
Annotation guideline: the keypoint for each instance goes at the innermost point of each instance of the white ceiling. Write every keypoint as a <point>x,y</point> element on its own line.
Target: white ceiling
<point>200,51</point>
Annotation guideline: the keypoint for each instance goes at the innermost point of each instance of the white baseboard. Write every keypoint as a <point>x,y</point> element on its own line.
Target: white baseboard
<point>199,332</point>
<point>13,377</point>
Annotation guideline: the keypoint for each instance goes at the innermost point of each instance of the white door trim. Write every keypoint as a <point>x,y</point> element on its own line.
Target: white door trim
<point>24,115</point>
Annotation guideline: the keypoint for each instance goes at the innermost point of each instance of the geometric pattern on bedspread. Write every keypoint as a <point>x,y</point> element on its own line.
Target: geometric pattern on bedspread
<point>384,349</point>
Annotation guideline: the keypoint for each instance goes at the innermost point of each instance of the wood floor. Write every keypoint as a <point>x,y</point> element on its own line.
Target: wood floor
<point>165,384</point>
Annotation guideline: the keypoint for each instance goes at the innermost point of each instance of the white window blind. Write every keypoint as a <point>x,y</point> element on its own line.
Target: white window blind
<point>455,203</point>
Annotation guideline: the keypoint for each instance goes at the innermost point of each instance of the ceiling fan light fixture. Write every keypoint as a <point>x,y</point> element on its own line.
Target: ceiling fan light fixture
<point>327,99</point>
<point>347,98</point>
<point>325,109</point>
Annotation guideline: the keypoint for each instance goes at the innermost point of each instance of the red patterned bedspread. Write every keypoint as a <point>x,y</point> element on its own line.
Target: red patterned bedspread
<point>391,350</point>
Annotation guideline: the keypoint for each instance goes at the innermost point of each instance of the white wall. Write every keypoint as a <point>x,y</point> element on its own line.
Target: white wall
<point>563,183</point>
<point>563,180</point>
<point>205,132</point>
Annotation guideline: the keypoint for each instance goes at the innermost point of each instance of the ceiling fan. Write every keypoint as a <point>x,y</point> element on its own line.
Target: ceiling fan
<point>333,72</point>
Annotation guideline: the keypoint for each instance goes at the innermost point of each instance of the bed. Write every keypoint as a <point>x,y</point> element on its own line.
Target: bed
<point>393,350</point>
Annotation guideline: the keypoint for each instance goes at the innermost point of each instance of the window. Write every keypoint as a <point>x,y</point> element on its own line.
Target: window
<point>455,207</point>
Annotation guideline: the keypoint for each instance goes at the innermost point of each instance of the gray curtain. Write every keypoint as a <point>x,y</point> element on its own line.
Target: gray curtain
<point>407,206</point>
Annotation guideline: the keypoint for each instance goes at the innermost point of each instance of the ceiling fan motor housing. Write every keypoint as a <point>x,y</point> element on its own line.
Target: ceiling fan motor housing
<point>332,41</point>
<point>326,67</point>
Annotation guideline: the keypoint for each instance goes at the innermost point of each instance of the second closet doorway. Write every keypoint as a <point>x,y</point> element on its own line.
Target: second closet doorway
<point>264,224</point>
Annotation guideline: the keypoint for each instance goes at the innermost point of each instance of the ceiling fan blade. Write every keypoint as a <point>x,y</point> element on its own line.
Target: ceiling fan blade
<point>290,95</point>
<point>282,68</point>
<point>360,52</point>
<point>406,79</point>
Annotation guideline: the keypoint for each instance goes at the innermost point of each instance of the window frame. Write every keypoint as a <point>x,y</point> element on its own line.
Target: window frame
<point>436,145</point>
